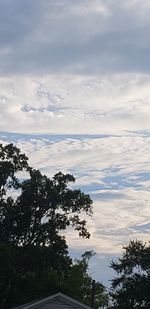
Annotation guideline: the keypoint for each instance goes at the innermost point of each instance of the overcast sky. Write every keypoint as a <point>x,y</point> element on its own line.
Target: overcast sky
<point>81,68</point>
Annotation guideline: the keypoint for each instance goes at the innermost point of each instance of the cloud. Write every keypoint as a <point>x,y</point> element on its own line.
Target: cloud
<point>74,68</point>
<point>75,104</point>
<point>50,37</point>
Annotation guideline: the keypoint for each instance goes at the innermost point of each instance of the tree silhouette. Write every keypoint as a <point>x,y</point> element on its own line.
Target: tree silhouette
<point>131,286</point>
<point>34,212</point>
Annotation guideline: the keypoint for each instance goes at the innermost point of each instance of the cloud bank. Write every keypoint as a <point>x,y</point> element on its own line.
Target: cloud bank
<point>88,38</point>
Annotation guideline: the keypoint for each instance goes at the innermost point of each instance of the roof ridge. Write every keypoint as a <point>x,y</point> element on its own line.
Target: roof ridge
<point>65,297</point>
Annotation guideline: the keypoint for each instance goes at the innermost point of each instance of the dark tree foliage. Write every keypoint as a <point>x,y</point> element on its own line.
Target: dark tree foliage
<point>78,283</point>
<point>131,286</point>
<point>29,273</point>
<point>34,211</point>
<point>43,207</point>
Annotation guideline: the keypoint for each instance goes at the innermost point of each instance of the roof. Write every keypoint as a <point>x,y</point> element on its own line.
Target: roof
<point>59,297</point>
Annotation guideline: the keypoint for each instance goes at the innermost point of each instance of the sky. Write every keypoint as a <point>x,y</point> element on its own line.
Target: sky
<point>75,97</point>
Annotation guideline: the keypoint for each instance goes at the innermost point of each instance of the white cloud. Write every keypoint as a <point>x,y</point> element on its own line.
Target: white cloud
<point>75,104</point>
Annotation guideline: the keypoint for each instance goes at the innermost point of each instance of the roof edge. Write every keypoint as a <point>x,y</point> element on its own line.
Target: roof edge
<point>60,295</point>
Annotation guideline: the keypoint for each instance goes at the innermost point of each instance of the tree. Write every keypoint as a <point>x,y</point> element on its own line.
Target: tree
<point>29,273</point>
<point>78,283</point>
<point>34,211</point>
<point>11,162</point>
<point>43,207</point>
<point>131,287</point>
